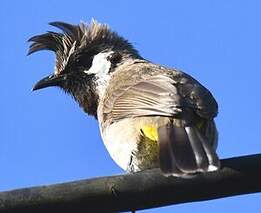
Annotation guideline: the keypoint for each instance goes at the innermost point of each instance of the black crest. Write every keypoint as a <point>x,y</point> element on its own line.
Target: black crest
<point>78,39</point>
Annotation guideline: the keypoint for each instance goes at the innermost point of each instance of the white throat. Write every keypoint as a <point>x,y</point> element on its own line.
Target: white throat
<point>101,67</point>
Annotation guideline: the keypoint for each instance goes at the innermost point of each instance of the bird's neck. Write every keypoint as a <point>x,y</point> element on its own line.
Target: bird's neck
<point>88,102</point>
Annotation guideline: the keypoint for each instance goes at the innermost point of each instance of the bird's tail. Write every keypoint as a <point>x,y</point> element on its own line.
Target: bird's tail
<point>186,150</point>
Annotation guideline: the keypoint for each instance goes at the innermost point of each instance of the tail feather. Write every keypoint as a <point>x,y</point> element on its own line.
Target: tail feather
<point>167,160</point>
<point>211,134</point>
<point>198,150</point>
<point>213,159</point>
<point>184,150</point>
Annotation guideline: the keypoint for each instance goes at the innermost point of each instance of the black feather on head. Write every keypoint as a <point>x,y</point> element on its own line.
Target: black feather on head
<point>77,41</point>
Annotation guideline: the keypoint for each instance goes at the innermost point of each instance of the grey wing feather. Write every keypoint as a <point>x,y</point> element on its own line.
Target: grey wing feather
<point>163,96</point>
<point>154,96</point>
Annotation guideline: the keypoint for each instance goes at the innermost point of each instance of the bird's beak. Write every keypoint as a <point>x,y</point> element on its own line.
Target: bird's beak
<point>49,81</point>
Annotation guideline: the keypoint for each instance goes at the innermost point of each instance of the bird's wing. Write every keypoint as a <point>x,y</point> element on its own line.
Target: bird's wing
<point>160,95</point>
<point>197,97</point>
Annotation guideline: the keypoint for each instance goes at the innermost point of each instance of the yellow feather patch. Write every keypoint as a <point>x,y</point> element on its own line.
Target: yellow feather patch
<point>150,132</point>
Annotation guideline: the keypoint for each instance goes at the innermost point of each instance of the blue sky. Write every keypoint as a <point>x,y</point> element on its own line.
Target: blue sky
<point>45,138</point>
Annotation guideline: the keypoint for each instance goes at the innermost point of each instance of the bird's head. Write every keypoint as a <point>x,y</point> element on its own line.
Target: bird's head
<point>86,56</point>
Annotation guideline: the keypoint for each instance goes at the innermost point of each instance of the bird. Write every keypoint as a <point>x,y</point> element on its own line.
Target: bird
<point>149,115</point>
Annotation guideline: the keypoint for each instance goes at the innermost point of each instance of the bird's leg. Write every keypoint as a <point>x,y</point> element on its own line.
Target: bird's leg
<point>130,168</point>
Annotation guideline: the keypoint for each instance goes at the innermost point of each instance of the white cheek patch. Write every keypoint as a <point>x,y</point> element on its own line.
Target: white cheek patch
<point>101,67</point>
<point>100,64</point>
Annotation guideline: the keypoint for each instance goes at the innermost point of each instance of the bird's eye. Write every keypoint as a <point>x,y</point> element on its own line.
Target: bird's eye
<point>114,58</point>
